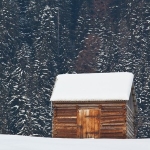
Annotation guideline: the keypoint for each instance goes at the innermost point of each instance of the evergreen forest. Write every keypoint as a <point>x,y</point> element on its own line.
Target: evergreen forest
<point>40,39</point>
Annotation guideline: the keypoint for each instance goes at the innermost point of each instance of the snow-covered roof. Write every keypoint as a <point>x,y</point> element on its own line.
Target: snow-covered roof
<point>93,87</point>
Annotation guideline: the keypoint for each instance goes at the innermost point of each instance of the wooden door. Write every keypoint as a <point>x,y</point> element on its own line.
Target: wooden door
<point>88,121</point>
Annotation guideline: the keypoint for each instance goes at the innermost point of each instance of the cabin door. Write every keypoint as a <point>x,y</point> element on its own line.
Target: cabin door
<point>88,121</point>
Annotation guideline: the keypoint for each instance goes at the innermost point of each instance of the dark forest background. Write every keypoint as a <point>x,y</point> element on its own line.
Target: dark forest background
<point>42,38</point>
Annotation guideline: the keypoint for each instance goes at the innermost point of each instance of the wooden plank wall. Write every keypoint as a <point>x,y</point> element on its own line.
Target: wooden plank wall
<point>65,121</point>
<point>112,119</point>
<point>130,123</point>
<point>131,112</point>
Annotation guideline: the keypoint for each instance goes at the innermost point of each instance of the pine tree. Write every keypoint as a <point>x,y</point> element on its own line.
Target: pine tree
<point>9,44</point>
<point>44,70</point>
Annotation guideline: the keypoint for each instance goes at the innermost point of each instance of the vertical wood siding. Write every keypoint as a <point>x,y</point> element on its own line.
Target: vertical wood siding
<point>89,123</point>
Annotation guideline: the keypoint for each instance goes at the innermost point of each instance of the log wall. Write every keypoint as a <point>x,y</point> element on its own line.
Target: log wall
<point>112,119</point>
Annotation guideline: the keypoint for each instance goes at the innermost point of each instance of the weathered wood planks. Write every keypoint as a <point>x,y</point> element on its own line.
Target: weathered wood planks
<point>114,120</point>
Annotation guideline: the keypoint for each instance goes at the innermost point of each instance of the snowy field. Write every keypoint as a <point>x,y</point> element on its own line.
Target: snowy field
<point>14,142</point>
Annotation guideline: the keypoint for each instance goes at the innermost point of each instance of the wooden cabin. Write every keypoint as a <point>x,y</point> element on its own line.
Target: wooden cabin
<point>94,105</point>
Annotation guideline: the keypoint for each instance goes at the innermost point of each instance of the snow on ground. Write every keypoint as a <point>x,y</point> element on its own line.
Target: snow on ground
<point>15,142</point>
